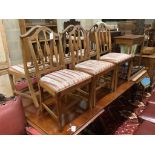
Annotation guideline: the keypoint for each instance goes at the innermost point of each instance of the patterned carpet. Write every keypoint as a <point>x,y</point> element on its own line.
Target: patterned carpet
<point>120,117</point>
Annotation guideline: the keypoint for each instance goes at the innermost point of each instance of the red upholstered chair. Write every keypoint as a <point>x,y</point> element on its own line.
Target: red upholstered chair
<point>146,128</point>
<point>149,113</point>
<point>12,119</point>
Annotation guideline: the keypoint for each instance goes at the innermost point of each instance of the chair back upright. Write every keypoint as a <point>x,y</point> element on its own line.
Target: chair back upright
<point>27,59</point>
<point>79,45</point>
<point>46,51</point>
<point>92,39</point>
<point>65,43</point>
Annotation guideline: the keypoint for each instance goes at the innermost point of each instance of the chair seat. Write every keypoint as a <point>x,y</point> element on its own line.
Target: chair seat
<point>63,79</point>
<point>19,69</point>
<point>94,67</point>
<point>146,128</point>
<point>116,57</point>
<point>149,113</point>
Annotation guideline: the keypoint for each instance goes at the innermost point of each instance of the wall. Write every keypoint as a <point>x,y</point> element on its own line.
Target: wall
<point>13,32</point>
<point>13,40</point>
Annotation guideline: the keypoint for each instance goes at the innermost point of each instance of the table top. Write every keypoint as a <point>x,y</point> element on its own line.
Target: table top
<point>152,56</point>
<point>129,36</point>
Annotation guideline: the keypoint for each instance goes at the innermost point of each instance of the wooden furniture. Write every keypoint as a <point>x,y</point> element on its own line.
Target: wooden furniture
<point>130,40</point>
<point>25,73</point>
<point>133,45</point>
<point>80,121</point>
<point>101,40</point>
<point>149,62</point>
<point>4,54</point>
<point>103,44</point>
<point>81,60</point>
<point>26,24</point>
<point>113,34</point>
<point>55,81</point>
<point>71,22</point>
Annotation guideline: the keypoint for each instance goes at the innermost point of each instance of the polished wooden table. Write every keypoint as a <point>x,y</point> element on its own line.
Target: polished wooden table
<point>46,125</point>
<point>129,40</point>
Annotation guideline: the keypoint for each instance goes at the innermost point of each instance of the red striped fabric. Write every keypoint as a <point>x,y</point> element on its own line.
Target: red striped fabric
<point>115,57</point>
<point>94,66</point>
<point>63,79</point>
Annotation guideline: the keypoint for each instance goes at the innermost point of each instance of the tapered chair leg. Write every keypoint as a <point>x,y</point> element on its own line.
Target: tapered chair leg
<point>94,92</point>
<point>32,92</point>
<point>116,77</point>
<point>113,80</point>
<point>59,112</point>
<point>130,65</point>
<point>12,84</point>
<point>90,96</point>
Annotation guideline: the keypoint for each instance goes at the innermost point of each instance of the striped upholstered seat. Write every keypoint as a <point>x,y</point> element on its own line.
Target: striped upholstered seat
<point>20,68</point>
<point>94,67</point>
<point>63,79</point>
<point>115,57</point>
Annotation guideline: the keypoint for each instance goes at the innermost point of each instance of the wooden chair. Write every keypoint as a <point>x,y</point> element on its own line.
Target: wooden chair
<point>65,43</point>
<point>103,43</point>
<point>54,79</point>
<point>22,82</point>
<point>81,58</point>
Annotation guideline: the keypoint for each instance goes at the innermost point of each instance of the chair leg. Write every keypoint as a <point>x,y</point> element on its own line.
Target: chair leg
<point>12,83</point>
<point>41,98</point>
<point>113,80</point>
<point>116,77</point>
<point>129,69</point>
<point>94,91</point>
<point>90,96</point>
<point>32,92</point>
<point>59,111</point>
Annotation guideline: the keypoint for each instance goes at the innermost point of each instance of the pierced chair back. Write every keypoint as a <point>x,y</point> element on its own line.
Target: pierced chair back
<point>78,45</point>
<point>47,53</point>
<point>103,39</point>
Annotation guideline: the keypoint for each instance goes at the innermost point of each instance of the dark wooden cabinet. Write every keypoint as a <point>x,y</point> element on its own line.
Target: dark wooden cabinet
<point>26,24</point>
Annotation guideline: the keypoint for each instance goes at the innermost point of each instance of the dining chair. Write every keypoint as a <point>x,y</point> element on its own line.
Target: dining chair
<point>81,59</point>
<point>54,79</point>
<point>103,44</point>
<point>22,82</point>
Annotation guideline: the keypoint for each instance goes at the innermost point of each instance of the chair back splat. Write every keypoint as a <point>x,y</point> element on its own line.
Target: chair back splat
<point>46,51</point>
<point>100,39</point>
<point>78,45</point>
